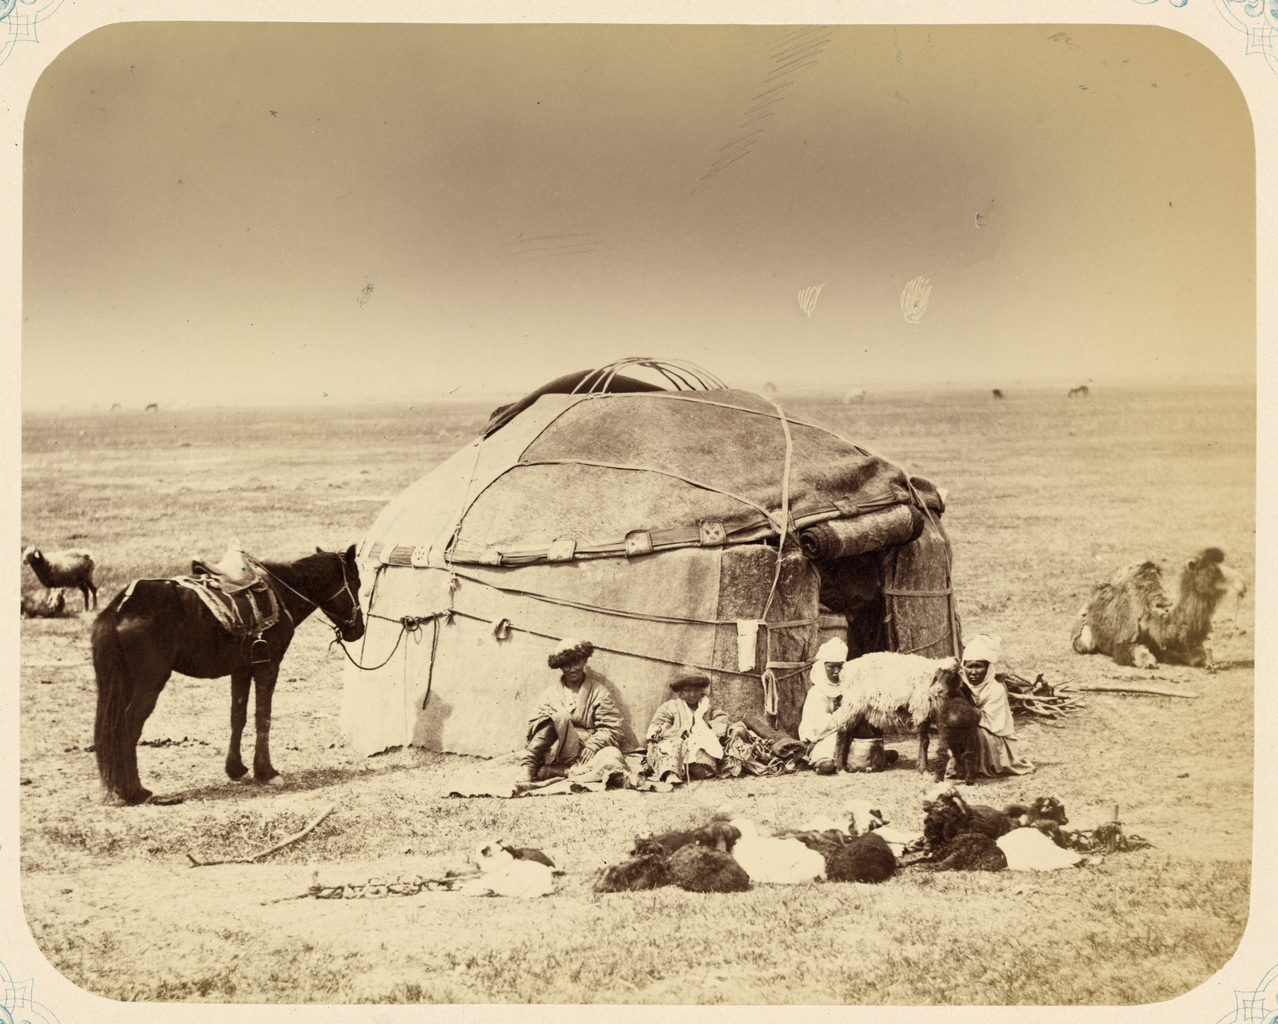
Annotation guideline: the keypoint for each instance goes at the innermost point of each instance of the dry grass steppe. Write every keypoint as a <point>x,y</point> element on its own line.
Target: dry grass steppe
<point>1046,496</point>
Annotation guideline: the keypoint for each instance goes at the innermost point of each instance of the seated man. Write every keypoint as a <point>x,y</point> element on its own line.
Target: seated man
<point>685,739</point>
<point>575,720</point>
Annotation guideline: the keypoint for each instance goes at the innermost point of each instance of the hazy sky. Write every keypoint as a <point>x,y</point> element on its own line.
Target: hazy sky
<point>218,212</point>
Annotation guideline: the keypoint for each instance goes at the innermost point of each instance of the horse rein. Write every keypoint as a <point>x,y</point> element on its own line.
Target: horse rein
<point>344,588</point>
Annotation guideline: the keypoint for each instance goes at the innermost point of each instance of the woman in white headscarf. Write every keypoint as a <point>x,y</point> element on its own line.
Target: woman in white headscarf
<point>997,752</point>
<point>818,727</point>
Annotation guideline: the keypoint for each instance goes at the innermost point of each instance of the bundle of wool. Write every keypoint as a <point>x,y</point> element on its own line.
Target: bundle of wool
<point>781,861</point>
<point>502,874</point>
<point>700,869</point>
<point>1028,849</point>
<point>866,858</point>
<point>646,871</point>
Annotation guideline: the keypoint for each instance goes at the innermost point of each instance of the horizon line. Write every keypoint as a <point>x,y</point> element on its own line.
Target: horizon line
<point>783,389</point>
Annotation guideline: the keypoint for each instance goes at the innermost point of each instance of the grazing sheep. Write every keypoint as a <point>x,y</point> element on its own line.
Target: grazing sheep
<point>957,722</point>
<point>896,692</point>
<point>1132,619</point>
<point>44,604</point>
<point>64,569</point>
<point>959,836</point>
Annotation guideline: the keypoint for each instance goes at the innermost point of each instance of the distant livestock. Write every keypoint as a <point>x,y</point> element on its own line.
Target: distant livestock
<point>64,569</point>
<point>1079,392</point>
<point>44,604</point>
<point>998,393</point>
<point>152,407</point>
<point>1132,619</point>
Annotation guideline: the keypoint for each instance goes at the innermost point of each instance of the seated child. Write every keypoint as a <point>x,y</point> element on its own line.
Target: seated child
<point>685,739</point>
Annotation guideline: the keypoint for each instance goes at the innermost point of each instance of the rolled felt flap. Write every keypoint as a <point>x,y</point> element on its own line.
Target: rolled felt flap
<point>783,744</point>
<point>838,538</point>
<point>933,496</point>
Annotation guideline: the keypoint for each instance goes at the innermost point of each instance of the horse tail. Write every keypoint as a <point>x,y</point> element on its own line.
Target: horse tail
<point>111,744</point>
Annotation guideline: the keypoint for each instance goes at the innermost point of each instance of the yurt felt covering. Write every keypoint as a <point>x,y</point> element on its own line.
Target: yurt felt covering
<point>646,523</point>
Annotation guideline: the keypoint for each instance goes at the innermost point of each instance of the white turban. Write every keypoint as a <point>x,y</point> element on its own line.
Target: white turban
<point>833,649</point>
<point>982,647</point>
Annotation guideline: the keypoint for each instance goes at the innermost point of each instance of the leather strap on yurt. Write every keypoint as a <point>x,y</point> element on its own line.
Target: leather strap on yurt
<point>621,612</point>
<point>642,542</point>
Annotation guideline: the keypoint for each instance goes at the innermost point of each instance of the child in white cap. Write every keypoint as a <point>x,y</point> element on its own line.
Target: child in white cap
<point>818,727</point>
<point>997,753</point>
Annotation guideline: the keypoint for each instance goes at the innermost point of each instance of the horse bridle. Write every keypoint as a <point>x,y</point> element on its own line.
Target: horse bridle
<point>344,588</point>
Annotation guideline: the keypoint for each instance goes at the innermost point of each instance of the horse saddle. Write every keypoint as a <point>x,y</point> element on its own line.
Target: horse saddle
<point>240,599</point>
<point>233,573</point>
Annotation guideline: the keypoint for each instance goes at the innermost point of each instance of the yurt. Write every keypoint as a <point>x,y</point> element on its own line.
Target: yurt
<point>681,527</point>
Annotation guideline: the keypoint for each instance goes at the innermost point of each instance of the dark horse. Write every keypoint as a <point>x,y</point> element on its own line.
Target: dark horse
<point>164,627</point>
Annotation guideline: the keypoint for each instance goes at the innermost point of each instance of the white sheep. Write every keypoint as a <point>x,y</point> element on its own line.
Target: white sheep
<point>43,604</point>
<point>895,693</point>
<point>72,568</point>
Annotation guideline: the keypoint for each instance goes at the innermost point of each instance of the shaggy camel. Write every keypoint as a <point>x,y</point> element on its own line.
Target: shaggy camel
<point>1132,619</point>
